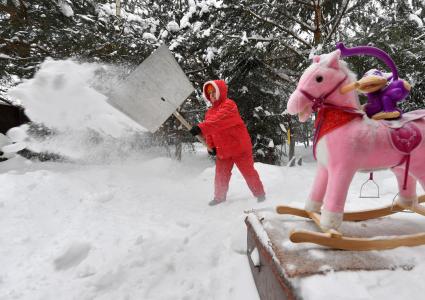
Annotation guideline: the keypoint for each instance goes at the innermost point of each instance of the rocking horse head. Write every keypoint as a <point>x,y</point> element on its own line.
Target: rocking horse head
<point>320,85</point>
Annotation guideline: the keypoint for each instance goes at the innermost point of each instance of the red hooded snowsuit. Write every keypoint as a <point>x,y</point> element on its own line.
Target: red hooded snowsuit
<point>224,130</point>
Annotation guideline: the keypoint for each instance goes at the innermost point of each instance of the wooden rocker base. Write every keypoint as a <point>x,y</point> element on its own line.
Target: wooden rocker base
<point>335,239</point>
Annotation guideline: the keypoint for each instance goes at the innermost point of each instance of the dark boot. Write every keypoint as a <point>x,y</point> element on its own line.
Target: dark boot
<point>261,198</point>
<point>214,202</point>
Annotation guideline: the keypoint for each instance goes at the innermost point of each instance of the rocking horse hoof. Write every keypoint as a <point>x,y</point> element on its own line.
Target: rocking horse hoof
<point>313,206</point>
<point>406,202</point>
<point>386,115</point>
<point>330,220</point>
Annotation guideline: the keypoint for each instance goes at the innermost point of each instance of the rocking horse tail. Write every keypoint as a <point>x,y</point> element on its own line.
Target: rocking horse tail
<point>406,171</point>
<point>372,51</point>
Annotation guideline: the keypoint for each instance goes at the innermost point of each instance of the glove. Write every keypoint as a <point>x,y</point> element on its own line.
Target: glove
<point>195,130</point>
<point>212,152</point>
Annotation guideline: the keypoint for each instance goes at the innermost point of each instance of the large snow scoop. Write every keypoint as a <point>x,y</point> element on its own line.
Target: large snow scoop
<point>154,91</point>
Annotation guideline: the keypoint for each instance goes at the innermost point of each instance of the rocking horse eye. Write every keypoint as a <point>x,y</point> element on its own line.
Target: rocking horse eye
<point>319,78</point>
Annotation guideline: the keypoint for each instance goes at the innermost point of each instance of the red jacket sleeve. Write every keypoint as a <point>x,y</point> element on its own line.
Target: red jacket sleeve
<point>226,116</point>
<point>208,138</point>
<point>209,141</point>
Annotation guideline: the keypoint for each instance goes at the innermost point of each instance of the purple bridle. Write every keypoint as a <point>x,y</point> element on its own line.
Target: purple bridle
<point>319,102</point>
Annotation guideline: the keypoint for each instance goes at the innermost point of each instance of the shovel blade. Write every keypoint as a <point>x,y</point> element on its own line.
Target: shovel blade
<point>154,90</point>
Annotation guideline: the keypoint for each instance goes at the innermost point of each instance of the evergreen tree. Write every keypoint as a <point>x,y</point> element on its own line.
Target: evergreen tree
<point>266,47</point>
<point>396,27</point>
<point>260,47</point>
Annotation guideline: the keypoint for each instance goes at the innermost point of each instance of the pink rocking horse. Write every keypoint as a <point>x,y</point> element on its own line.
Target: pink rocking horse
<point>347,141</point>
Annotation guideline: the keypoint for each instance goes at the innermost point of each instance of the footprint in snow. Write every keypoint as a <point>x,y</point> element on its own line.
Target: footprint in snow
<point>73,256</point>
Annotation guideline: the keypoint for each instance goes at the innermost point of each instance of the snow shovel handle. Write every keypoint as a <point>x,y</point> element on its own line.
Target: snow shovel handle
<point>188,126</point>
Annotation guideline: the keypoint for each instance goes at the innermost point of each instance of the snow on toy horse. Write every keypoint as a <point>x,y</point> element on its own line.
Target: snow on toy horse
<point>347,141</point>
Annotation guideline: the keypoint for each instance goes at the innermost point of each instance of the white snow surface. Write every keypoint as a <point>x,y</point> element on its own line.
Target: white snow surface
<point>136,225</point>
<point>142,229</point>
<point>139,229</point>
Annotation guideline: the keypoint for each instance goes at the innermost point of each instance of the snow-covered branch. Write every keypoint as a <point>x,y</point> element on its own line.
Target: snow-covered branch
<point>290,32</point>
<point>303,24</point>
<point>195,71</point>
<point>304,3</point>
<point>338,20</point>
<point>250,38</point>
<point>279,74</point>
<point>262,39</point>
<point>349,10</point>
<point>419,37</point>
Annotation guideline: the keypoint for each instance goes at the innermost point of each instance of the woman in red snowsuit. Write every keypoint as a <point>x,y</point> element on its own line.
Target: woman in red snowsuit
<point>227,136</point>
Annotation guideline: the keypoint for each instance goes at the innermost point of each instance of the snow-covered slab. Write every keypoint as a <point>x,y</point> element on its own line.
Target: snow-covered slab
<point>283,264</point>
<point>269,275</point>
<point>152,92</point>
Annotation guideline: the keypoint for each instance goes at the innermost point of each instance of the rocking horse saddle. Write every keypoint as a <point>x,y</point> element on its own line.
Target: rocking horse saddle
<point>404,135</point>
<point>405,118</point>
<point>406,138</point>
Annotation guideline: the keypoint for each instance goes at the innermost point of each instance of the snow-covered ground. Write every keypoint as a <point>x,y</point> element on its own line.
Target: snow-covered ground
<point>142,229</point>
<point>137,225</point>
<point>139,229</point>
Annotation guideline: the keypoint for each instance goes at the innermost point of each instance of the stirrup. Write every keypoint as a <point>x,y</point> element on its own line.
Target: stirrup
<point>364,184</point>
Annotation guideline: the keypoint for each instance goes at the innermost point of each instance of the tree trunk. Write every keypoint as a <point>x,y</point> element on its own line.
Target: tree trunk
<point>317,21</point>
<point>178,153</point>
<point>118,8</point>
<point>291,144</point>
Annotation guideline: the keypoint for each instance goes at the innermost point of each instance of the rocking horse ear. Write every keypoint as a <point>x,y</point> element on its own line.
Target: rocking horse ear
<point>316,58</point>
<point>334,59</point>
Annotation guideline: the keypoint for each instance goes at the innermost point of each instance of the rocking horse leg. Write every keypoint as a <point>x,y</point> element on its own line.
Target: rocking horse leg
<point>419,173</point>
<point>407,190</point>
<point>336,193</point>
<point>315,201</point>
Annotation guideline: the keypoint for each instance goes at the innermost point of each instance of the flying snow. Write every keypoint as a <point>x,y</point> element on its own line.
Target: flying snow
<point>60,96</point>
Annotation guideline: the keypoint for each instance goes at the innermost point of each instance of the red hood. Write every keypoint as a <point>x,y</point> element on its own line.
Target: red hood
<point>220,87</point>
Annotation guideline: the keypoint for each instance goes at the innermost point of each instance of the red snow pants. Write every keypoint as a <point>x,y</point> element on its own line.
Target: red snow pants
<point>223,172</point>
